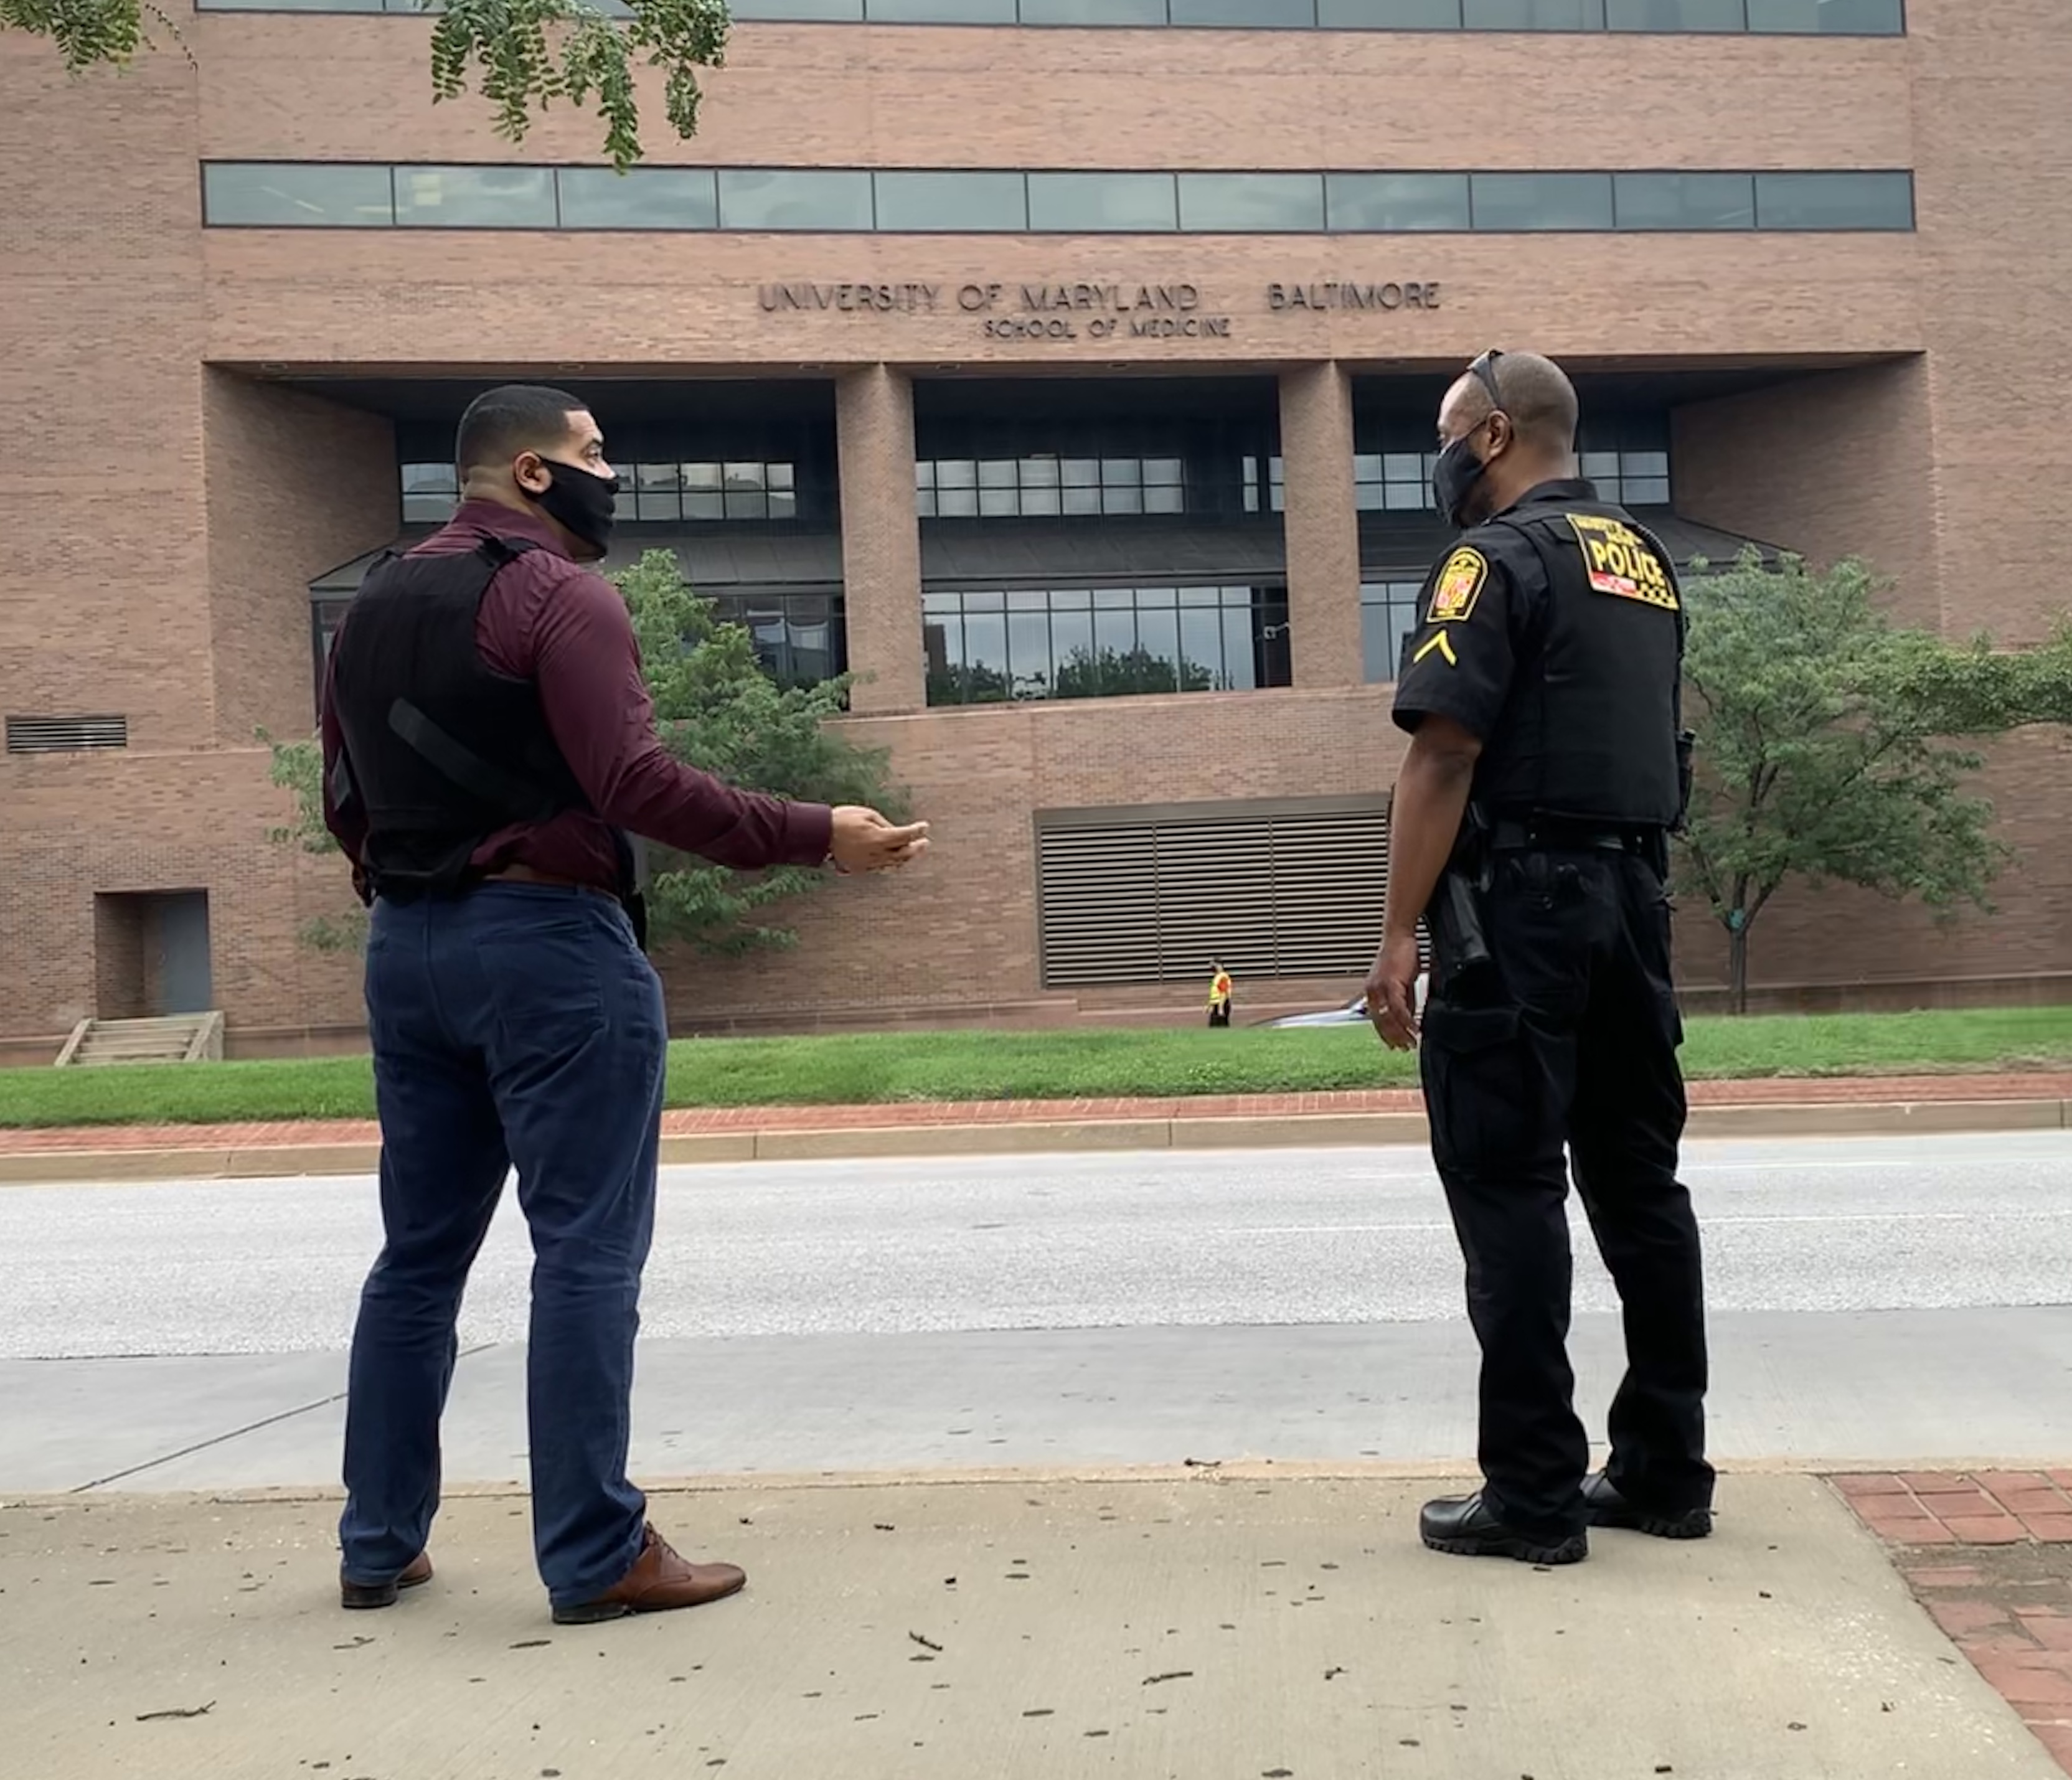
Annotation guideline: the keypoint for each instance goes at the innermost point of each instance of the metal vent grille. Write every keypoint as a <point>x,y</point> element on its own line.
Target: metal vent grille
<point>1287,894</point>
<point>66,734</point>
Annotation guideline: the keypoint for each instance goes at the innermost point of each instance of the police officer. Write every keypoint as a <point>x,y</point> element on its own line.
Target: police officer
<point>489,749</point>
<point>1545,772</point>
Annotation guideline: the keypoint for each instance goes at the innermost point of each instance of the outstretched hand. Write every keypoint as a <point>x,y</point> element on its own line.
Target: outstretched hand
<point>864,840</point>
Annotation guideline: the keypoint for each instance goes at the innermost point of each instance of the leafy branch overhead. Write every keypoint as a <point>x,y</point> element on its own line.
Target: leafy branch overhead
<point>523,56</point>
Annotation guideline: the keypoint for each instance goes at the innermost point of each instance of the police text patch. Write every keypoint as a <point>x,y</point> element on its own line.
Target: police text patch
<point>1460,585</point>
<point>1620,563</point>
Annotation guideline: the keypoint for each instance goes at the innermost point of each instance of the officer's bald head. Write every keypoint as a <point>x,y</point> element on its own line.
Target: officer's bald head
<point>1534,392</point>
<point>1517,412</point>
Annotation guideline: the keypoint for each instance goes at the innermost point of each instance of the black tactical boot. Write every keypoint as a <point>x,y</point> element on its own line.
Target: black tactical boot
<point>1467,1528</point>
<point>1609,1508</point>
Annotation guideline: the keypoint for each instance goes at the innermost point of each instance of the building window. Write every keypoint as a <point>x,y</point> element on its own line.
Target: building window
<point>1839,201</point>
<point>326,615</point>
<point>1044,485</point>
<point>254,195</point>
<point>430,493</point>
<point>642,197</point>
<point>1847,17</point>
<point>476,197</point>
<point>1396,204</point>
<point>800,640</point>
<point>1388,613</point>
<point>1252,204</point>
<point>835,200</point>
<point>1683,201</point>
<point>1520,202</point>
<point>1092,204</point>
<point>965,204</point>
<point>261,194</point>
<point>653,493</point>
<point>1400,482</point>
<point>993,647</point>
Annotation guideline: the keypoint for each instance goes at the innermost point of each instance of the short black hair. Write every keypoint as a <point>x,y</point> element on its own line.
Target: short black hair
<point>501,423</point>
<point>1537,395</point>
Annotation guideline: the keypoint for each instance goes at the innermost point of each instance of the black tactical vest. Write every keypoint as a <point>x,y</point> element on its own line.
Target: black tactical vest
<point>444,751</point>
<point>1590,733</point>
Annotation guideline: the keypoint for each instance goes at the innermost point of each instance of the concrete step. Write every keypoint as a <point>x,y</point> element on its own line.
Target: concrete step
<point>177,1038</point>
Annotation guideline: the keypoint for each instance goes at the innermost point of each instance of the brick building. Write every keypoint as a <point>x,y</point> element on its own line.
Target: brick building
<point>1066,367</point>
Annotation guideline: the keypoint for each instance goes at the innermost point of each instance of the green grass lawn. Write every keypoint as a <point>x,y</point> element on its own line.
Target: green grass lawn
<point>882,1068</point>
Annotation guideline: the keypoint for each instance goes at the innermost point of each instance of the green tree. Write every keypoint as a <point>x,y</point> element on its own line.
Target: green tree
<point>715,708</point>
<point>1831,745</point>
<point>523,55</point>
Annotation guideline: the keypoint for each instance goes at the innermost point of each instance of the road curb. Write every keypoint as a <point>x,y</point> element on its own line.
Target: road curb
<point>1296,1131</point>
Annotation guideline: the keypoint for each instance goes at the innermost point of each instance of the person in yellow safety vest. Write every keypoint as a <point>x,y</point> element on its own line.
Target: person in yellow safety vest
<point>1219,996</point>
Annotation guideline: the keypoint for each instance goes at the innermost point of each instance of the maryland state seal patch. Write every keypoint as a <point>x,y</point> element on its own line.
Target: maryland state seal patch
<point>1460,585</point>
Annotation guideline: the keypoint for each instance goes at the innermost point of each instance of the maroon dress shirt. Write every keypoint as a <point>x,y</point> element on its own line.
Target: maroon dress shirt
<point>550,620</point>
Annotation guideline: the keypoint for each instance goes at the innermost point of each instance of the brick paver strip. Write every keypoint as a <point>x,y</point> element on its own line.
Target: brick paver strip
<point>2010,1611</point>
<point>1842,1090</point>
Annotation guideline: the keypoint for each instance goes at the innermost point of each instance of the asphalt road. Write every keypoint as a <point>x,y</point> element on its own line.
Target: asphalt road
<point>1872,1299</point>
<point>1064,1241</point>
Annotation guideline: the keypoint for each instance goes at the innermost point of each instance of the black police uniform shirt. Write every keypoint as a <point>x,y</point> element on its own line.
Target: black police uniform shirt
<point>1475,657</point>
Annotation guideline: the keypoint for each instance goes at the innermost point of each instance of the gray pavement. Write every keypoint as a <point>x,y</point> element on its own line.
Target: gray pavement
<point>1217,1629</point>
<point>1873,1300</point>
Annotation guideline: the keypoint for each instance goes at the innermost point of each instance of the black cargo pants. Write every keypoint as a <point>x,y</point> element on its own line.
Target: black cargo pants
<point>1575,1047</point>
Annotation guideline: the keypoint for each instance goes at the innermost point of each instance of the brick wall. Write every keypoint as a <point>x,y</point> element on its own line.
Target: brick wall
<point>177,499</point>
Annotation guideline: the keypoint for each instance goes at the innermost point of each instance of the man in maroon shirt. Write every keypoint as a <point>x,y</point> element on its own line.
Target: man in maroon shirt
<point>489,744</point>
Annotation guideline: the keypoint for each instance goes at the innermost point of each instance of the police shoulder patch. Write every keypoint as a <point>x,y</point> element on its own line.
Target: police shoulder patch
<point>1460,585</point>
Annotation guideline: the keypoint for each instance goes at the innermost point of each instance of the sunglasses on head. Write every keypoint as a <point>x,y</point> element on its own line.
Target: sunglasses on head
<point>1483,370</point>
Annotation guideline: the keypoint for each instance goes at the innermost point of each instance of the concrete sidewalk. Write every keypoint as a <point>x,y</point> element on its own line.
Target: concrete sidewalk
<point>1826,1106</point>
<point>1223,1624</point>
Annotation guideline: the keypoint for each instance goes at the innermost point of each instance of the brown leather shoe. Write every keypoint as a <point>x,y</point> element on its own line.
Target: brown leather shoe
<point>415,1573</point>
<point>659,1581</point>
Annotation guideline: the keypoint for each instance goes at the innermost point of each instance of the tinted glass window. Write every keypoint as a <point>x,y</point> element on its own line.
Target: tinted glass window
<point>1533,15</point>
<point>297,197</point>
<point>1685,200</point>
<point>1093,12</point>
<point>645,197</point>
<point>288,5</point>
<point>1676,15</point>
<point>940,12</point>
<point>1251,203</point>
<point>795,200</point>
<point>1862,18</point>
<point>796,8</point>
<point>1397,203</point>
<point>1390,15</point>
<point>1834,200</point>
<point>474,197</point>
<point>1094,201</point>
<point>1244,12</point>
<point>1507,201</point>
<point>977,202</point>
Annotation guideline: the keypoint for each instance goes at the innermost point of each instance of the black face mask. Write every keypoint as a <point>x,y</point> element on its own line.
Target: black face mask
<point>1454,477</point>
<point>581,501</point>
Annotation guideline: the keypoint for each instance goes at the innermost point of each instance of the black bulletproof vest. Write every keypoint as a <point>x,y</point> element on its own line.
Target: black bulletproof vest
<point>444,750</point>
<point>1590,733</point>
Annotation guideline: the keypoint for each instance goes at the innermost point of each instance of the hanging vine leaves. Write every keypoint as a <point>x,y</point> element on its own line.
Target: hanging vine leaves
<point>522,56</point>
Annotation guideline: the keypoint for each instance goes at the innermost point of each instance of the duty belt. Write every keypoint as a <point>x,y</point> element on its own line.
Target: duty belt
<point>1552,835</point>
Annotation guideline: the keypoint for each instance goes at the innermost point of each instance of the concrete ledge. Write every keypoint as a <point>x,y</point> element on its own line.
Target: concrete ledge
<point>965,1140</point>
<point>261,1161</point>
<point>1869,1119</point>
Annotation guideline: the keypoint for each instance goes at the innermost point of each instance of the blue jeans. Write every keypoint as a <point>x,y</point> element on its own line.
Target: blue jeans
<point>520,1026</point>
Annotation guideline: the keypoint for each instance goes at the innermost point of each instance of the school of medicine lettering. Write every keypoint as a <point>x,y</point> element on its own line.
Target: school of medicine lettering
<point>1062,311</point>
